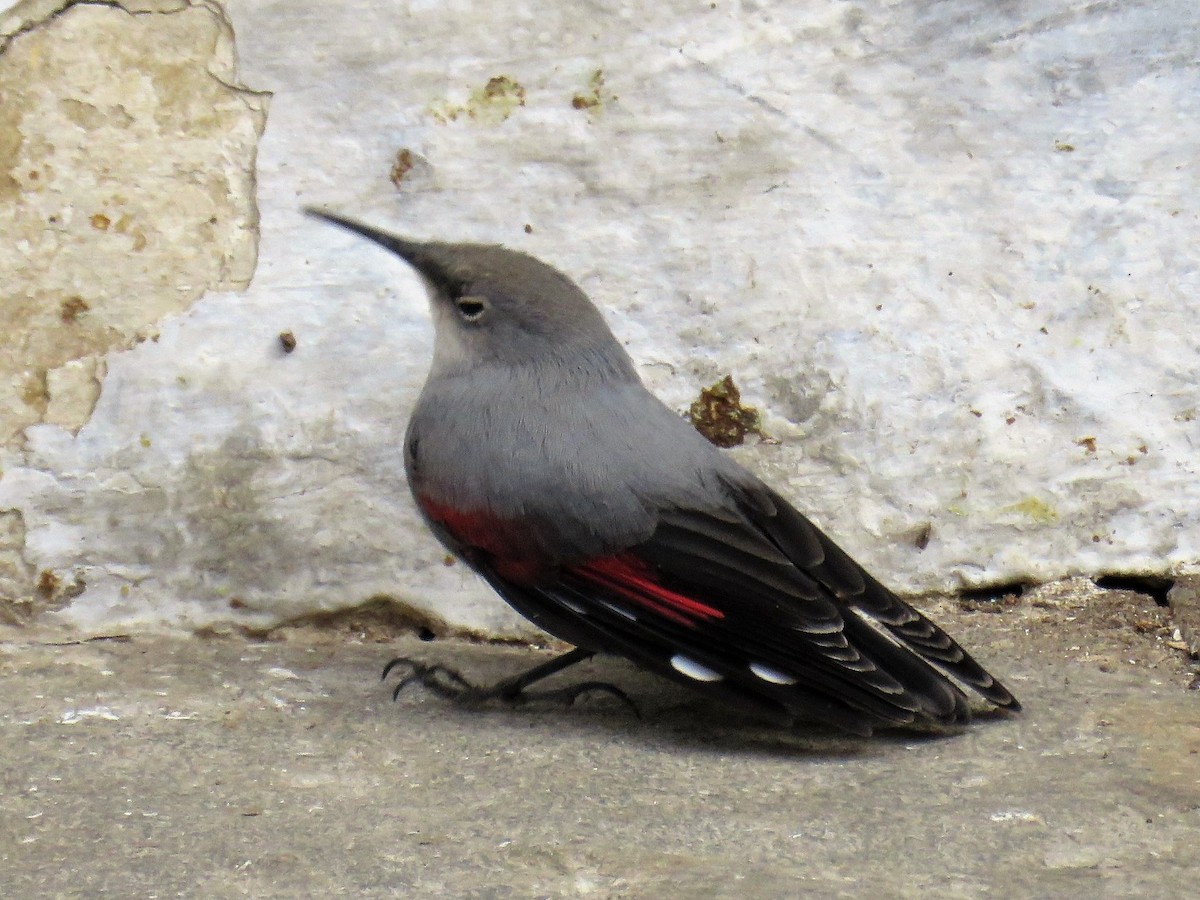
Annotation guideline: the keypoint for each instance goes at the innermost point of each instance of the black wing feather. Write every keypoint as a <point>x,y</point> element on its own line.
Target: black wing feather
<point>840,646</point>
<point>849,581</point>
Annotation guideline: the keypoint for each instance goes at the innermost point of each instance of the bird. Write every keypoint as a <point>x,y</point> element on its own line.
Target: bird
<point>537,456</point>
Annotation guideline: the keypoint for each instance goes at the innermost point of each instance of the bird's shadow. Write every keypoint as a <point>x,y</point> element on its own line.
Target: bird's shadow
<point>668,716</point>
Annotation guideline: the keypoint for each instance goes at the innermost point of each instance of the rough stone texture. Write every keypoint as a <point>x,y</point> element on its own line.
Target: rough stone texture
<point>16,575</point>
<point>1184,600</point>
<point>947,250</point>
<point>281,769</point>
<point>127,162</point>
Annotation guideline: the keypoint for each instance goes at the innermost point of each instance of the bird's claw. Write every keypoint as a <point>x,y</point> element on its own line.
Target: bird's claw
<point>442,680</point>
<point>450,684</point>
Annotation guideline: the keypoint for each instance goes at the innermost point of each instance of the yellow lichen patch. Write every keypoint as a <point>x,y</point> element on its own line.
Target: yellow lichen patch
<point>488,105</point>
<point>1035,510</point>
<point>591,99</point>
<point>719,415</point>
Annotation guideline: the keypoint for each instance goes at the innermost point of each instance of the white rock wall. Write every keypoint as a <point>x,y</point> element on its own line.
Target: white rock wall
<point>950,250</point>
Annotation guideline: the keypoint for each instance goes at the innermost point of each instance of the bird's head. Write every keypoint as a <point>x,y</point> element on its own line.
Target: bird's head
<point>497,307</point>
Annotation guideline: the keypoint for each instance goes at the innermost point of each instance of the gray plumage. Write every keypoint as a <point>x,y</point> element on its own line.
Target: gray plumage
<point>536,454</point>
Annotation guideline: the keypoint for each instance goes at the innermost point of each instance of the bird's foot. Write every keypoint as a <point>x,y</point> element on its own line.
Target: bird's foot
<point>572,692</point>
<point>448,683</point>
<point>441,680</point>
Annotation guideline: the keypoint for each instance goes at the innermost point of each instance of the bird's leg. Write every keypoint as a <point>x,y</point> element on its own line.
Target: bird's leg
<point>446,682</point>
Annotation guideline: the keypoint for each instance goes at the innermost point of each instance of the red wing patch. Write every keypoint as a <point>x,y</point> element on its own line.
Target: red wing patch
<point>504,547</point>
<point>629,577</point>
<point>509,552</point>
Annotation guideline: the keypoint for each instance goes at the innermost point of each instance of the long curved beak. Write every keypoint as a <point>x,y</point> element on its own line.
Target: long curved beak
<point>410,251</point>
<point>424,257</point>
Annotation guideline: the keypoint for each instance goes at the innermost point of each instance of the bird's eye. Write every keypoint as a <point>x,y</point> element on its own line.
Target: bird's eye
<point>471,307</point>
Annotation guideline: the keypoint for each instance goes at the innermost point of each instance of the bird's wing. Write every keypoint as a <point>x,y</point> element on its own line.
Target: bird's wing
<point>754,605</point>
<point>814,552</point>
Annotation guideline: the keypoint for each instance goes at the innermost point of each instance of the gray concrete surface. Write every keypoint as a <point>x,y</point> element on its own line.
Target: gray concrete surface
<point>160,766</point>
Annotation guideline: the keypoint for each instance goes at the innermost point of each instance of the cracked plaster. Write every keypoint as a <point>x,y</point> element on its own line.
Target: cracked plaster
<point>949,251</point>
<point>126,162</point>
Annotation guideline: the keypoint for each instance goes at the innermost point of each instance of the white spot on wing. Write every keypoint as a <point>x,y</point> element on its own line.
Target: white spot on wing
<point>572,606</point>
<point>766,673</point>
<point>693,669</point>
<point>619,611</point>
